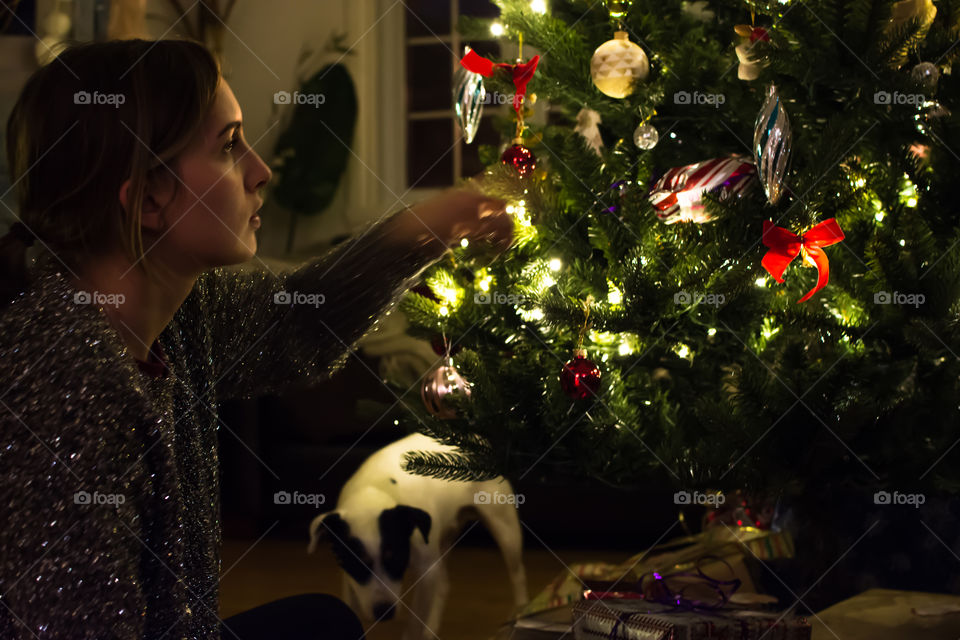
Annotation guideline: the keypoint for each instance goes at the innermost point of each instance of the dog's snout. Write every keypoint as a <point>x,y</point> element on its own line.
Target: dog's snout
<point>383,610</point>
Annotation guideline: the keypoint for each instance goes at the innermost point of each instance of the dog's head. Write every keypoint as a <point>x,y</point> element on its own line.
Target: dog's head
<point>373,549</point>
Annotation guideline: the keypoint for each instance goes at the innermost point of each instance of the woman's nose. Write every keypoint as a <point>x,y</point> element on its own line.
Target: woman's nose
<point>259,174</point>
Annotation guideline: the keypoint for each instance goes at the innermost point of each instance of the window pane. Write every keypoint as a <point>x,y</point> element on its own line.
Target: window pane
<point>20,22</point>
<point>427,17</point>
<point>486,134</point>
<point>479,8</point>
<point>429,143</point>
<point>486,48</point>
<point>429,77</point>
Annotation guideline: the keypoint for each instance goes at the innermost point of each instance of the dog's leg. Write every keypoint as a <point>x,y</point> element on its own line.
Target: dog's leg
<point>349,597</point>
<point>429,598</point>
<point>503,522</point>
<point>439,597</point>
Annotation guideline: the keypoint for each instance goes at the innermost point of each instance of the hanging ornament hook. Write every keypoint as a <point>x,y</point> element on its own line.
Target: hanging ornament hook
<point>618,10</point>
<point>586,321</point>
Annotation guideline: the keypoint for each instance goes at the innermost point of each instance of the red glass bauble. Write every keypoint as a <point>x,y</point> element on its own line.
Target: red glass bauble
<point>520,158</point>
<point>580,377</point>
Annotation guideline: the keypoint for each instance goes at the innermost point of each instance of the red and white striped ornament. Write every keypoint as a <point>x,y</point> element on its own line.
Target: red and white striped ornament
<point>678,194</point>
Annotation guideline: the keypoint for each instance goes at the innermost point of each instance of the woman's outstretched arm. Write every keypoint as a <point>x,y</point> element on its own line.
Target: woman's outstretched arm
<point>269,330</point>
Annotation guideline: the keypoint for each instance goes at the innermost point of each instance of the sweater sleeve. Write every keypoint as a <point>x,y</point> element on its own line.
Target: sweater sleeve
<point>70,544</point>
<point>268,330</point>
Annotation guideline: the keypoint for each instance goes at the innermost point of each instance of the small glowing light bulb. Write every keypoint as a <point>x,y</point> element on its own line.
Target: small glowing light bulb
<point>761,282</point>
<point>450,295</point>
<point>711,332</point>
<point>555,264</point>
<point>464,242</point>
<point>496,29</point>
<point>538,6</point>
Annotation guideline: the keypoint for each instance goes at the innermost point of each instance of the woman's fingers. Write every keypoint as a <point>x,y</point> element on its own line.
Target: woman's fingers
<point>464,213</point>
<point>497,228</point>
<point>492,207</point>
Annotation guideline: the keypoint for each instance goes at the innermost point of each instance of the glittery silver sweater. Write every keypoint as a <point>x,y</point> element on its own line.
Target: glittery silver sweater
<point>109,476</point>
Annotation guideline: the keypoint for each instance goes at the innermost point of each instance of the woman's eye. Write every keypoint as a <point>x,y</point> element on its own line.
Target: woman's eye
<point>229,146</point>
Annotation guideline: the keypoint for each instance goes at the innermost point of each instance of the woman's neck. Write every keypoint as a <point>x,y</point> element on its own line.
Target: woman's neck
<point>137,306</point>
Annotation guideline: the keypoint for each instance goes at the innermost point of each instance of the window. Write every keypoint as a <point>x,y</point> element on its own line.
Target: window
<point>436,152</point>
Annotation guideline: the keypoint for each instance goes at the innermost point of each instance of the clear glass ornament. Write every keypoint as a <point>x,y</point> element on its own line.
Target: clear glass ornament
<point>926,75</point>
<point>646,136</point>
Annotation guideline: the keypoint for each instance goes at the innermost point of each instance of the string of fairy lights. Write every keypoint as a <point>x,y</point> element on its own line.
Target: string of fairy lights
<point>540,274</point>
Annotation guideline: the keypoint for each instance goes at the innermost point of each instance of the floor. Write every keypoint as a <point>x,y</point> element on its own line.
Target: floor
<point>480,599</point>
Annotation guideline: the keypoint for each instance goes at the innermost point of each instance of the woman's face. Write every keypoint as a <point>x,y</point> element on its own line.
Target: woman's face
<point>212,219</point>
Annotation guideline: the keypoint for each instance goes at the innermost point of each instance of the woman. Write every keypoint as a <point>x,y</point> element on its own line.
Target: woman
<point>135,184</point>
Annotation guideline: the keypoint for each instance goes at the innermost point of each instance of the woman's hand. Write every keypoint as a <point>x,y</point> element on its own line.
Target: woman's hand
<point>442,221</point>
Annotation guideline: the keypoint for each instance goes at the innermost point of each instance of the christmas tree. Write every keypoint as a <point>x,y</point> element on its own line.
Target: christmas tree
<point>735,141</point>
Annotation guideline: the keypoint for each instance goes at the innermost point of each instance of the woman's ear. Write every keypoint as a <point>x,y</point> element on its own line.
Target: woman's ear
<point>158,194</point>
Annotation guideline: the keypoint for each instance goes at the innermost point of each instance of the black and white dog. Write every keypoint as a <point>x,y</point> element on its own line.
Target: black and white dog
<point>388,520</point>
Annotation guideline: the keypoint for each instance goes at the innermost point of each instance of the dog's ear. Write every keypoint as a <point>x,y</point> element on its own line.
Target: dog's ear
<point>318,531</point>
<point>415,518</point>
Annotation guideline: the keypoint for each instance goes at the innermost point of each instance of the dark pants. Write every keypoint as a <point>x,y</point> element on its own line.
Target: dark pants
<point>308,616</point>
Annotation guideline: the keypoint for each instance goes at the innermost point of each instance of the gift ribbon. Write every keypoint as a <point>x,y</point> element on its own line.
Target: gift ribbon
<point>521,73</point>
<point>785,246</point>
<point>659,590</point>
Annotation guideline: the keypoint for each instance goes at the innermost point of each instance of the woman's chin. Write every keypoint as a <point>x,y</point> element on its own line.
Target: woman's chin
<point>249,249</point>
<point>244,249</point>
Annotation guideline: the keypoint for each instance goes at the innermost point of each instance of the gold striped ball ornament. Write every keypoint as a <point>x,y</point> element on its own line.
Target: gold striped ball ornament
<point>617,64</point>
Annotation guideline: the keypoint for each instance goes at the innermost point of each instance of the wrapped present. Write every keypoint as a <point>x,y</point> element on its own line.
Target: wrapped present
<point>742,509</point>
<point>549,624</point>
<point>886,613</point>
<point>641,620</point>
<point>711,582</point>
<point>720,552</point>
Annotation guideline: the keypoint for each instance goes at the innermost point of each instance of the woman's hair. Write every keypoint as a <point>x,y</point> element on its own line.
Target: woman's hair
<point>99,114</point>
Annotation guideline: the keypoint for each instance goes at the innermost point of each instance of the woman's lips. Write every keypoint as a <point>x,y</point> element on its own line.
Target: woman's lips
<point>255,218</point>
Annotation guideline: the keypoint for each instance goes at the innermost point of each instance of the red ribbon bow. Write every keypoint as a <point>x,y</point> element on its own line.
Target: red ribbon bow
<point>521,73</point>
<point>785,246</point>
